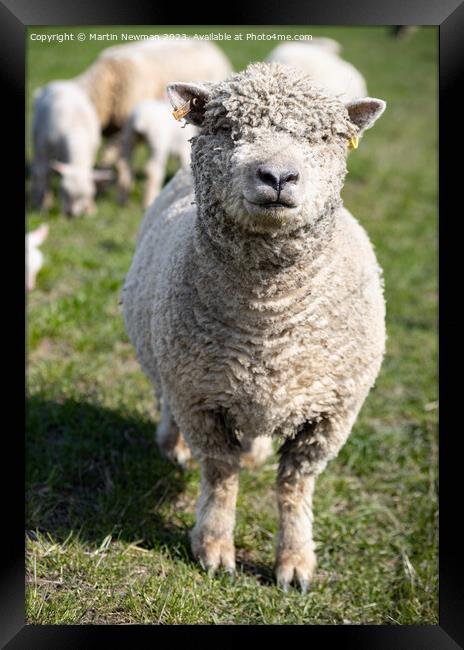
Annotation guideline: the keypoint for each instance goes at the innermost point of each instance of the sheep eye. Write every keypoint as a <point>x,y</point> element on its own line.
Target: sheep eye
<point>325,138</point>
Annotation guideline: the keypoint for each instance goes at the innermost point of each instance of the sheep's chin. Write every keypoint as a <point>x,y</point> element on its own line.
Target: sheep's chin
<point>267,218</point>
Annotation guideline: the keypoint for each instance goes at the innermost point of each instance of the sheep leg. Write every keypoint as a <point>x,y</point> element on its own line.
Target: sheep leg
<point>40,193</point>
<point>215,444</point>
<point>255,451</point>
<point>124,164</point>
<point>302,459</point>
<point>212,537</point>
<point>171,442</point>
<point>155,172</point>
<point>110,152</point>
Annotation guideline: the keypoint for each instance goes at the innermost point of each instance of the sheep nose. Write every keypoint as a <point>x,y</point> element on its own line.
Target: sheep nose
<point>277,178</point>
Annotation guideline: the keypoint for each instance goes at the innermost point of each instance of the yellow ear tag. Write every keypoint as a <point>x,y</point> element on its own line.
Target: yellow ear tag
<point>181,112</point>
<point>353,143</point>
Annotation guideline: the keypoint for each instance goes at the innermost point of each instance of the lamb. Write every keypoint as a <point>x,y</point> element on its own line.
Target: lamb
<point>151,120</point>
<point>254,299</point>
<point>320,59</point>
<point>99,101</point>
<point>34,257</point>
<point>66,137</point>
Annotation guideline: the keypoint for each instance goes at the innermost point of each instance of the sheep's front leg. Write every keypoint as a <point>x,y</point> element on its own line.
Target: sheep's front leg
<point>212,537</point>
<point>40,192</point>
<point>295,548</point>
<point>302,459</point>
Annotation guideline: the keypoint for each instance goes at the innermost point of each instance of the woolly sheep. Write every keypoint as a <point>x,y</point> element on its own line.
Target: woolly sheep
<point>34,257</point>
<point>254,300</point>
<point>124,75</point>
<point>70,115</point>
<point>152,121</point>
<point>66,136</point>
<point>319,58</point>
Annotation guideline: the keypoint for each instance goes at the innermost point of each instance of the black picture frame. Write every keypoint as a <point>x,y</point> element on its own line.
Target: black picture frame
<point>448,15</point>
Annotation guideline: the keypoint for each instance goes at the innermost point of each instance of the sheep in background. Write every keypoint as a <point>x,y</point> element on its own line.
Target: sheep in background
<point>254,299</point>
<point>152,121</point>
<point>319,58</point>
<point>124,75</point>
<point>66,137</point>
<point>69,116</point>
<point>34,257</point>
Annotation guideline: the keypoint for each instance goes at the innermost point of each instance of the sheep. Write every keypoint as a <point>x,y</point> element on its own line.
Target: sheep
<point>34,257</point>
<point>254,300</point>
<point>69,116</point>
<point>124,75</point>
<point>66,137</point>
<point>151,120</point>
<point>320,59</point>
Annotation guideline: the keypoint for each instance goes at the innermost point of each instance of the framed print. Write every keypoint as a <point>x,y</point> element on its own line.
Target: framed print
<point>232,261</point>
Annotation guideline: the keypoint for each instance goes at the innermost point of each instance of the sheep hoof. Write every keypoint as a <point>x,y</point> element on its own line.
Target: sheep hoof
<point>284,585</point>
<point>304,586</point>
<point>213,553</point>
<point>295,566</point>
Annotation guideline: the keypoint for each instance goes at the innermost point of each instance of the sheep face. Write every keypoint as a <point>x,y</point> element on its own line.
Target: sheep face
<point>271,153</point>
<point>78,187</point>
<point>77,192</point>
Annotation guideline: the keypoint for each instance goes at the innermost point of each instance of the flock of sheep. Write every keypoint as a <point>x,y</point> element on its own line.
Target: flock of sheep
<point>121,99</point>
<point>254,300</point>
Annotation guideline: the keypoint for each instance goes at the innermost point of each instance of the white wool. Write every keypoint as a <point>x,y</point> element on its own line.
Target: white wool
<point>153,122</point>
<point>321,61</point>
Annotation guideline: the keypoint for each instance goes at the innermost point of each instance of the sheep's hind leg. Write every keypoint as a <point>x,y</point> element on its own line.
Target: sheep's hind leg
<point>254,451</point>
<point>171,442</point>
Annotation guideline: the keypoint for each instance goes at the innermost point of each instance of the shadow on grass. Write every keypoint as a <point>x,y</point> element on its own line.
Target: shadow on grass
<point>95,471</point>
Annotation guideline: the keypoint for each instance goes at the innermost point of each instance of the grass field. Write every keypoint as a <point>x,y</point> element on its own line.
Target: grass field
<point>107,519</point>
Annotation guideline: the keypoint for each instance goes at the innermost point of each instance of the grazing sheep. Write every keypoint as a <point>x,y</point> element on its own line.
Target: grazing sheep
<point>152,121</point>
<point>254,299</point>
<point>70,115</point>
<point>66,136</point>
<point>320,60</point>
<point>34,257</point>
<point>124,75</point>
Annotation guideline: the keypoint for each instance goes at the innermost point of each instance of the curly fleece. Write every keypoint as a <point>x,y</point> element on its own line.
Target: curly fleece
<point>252,325</point>
<point>285,100</point>
<point>278,329</point>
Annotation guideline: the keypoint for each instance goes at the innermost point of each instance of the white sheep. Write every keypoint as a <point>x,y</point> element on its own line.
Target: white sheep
<point>66,137</point>
<point>34,257</point>
<point>152,122</point>
<point>70,115</point>
<point>254,299</point>
<point>124,75</point>
<point>320,59</point>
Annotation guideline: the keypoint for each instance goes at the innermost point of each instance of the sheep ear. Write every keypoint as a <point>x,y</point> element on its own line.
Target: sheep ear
<point>364,112</point>
<point>189,101</point>
<point>61,167</point>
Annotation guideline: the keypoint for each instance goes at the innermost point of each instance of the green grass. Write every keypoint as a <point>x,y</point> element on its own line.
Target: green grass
<point>107,519</point>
